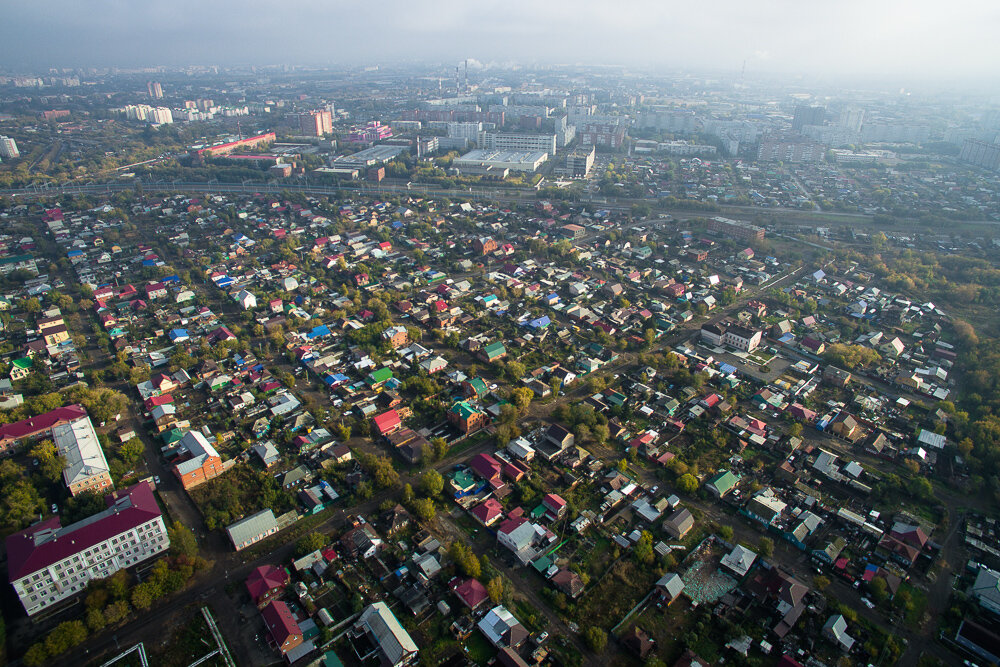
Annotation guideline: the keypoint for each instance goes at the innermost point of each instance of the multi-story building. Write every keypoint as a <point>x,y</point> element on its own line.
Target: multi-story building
<point>742,338</point>
<point>607,135</point>
<point>37,426</point>
<point>48,564</point>
<point>8,147</point>
<point>776,148</point>
<point>516,141</point>
<point>807,115</point>
<point>580,161</point>
<point>160,116</point>
<point>736,229</point>
<point>468,131</point>
<point>316,123</point>
<point>86,468</point>
<point>374,131</point>
<point>981,154</point>
<point>154,89</point>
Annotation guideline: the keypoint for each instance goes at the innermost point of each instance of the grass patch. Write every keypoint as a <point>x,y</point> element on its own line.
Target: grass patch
<point>188,643</point>
<point>607,602</point>
<point>479,649</point>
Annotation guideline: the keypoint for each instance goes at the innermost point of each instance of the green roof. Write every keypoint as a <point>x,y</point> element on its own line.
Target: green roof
<point>478,385</point>
<point>463,479</point>
<point>464,410</point>
<point>172,436</point>
<point>723,481</point>
<point>377,377</point>
<point>494,350</point>
<point>23,363</point>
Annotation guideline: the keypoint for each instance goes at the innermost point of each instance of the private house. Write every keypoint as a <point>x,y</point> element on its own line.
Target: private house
<point>266,583</point>
<point>739,561</point>
<point>198,461</point>
<point>679,524</point>
<point>472,593</point>
<point>467,418</point>
<point>282,628</point>
<point>388,422</point>
<point>670,586</point>
<point>392,645</point>
<point>493,352</point>
<point>252,529</point>
<point>246,299</point>
<point>720,484</point>
<point>835,630</point>
<point>396,336</point>
<point>568,582</point>
<point>502,629</point>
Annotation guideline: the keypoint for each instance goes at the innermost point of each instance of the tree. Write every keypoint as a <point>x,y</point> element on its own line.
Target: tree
<point>144,595</point>
<point>644,548</point>
<point>521,398</point>
<point>465,559</point>
<point>95,620</point>
<point>495,589</point>
<point>66,635</point>
<point>49,463</point>
<point>182,540</point>
<point>821,582</point>
<point>726,533</point>
<point>116,612</point>
<point>765,546</point>
<point>406,497</point>
<point>36,656</point>
<point>310,543</point>
<point>431,483</point>
<point>19,503</point>
<point>596,638</point>
<point>424,509</point>
<point>118,584</point>
<point>687,483</point>
<point>795,430</point>
<point>440,447</point>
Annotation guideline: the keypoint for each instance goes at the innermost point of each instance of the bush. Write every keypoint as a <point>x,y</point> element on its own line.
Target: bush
<point>596,639</point>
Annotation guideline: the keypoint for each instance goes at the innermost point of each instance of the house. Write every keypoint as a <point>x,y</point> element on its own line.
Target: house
<point>502,629</point>
<point>522,538</point>
<point>638,642</point>
<point>493,352</point>
<point>20,369</point>
<point>378,378</point>
<point>266,583</point>
<point>559,436</point>
<point>474,388</point>
<point>472,593</point>
<point>268,453</point>
<point>739,560</point>
<point>765,507</point>
<point>282,628</point>
<point>568,581</point>
<point>845,426</point>
<point>396,336</point>
<point>361,541</point>
<point>835,630</point>
<point>721,483</point>
<point>742,338</point>
<point>198,460</point>
<point>246,300</point>
<point>487,512</point>
<point>670,586</point>
<point>388,422</point>
<point>679,524</point>
<point>555,505</point>
<point>467,418</point>
<point>86,468</point>
<point>392,644</point>
<point>252,529</point>
<point>986,590</point>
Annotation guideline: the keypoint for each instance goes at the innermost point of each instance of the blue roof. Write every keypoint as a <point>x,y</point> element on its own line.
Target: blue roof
<point>321,330</point>
<point>178,333</point>
<point>149,262</point>
<point>396,224</point>
<point>727,368</point>
<point>74,253</point>
<point>170,279</point>
<point>540,322</point>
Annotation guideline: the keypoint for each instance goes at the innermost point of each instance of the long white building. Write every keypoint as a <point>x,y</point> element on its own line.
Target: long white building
<point>48,563</point>
<point>516,141</point>
<point>8,147</point>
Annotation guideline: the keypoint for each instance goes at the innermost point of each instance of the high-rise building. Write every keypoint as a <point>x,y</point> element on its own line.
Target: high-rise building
<point>789,149</point>
<point>154,89</point>
<point>852,118</point>
<point>159,116</point>
<point>316,123</point>
<point>48,563</point>
<point>468,131</point>
<point>806,115</point>
<point>608,135</point>
<point>981,154</point>
<point>8,147</point>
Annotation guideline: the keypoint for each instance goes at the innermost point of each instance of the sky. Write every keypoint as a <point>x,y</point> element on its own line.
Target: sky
<point>873,38</point>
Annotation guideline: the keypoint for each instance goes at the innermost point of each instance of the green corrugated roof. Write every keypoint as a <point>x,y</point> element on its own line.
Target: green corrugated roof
<point>494,349</point>
<point>381,375</point>
<point>463,410</point>
<point>23,363</point>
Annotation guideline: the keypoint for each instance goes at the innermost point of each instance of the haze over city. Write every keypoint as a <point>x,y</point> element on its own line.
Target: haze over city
<point>915,40</point>
<point>464,334</point>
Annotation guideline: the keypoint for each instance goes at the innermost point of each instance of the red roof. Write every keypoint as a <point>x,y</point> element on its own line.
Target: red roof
<point>135,506</point>
<point>554,502</point>
<point>265,579</point>
<point>488,510</point>
<point>387,422</point>
<point>486,467</point>
<point>39,423</point>
<point>470,592</point>
<point>280,622</point>
<point>162,399</point>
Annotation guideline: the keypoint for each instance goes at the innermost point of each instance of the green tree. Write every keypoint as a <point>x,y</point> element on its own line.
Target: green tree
<point>495,589</point>
<point>36,655</point>
<point>116,612</point>
<point>596,638</point>
<point>144,595</point>
<point>821,582</point>
<point>687,483</point>
<point>182,540</point>
<point>310,543</point>
<point>431,483</point>
<point>66,635</point>
<point>765,546</point>
<point>423,508</point>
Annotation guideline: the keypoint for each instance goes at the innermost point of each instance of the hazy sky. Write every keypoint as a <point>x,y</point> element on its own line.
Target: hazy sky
<point>871,37</point>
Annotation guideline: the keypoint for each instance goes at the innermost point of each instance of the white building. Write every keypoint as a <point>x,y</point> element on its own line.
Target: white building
<point>742,338</point>
<point>86,468</point>
<point>48,564</point>
<point>516,141</point>
<point>160,116</point>
<point>515,160</point>
<point>246,299</point>
<point>8,147</point>
<point>252,529</point>
<point>468,131</point>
